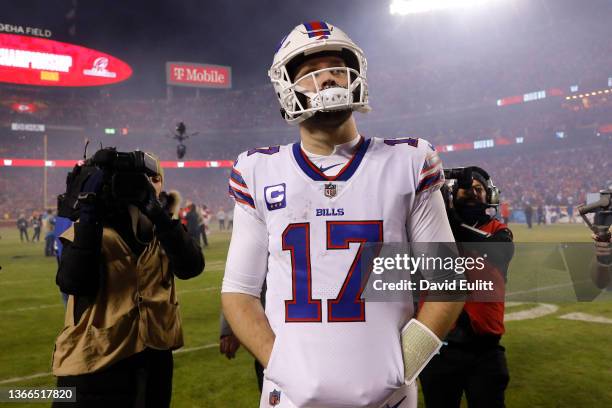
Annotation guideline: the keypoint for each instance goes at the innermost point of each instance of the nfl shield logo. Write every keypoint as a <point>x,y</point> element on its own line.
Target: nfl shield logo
<point>274,397</point>
<point>330,190</point>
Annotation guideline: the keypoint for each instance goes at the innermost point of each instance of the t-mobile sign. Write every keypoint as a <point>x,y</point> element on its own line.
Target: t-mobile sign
<point>198,75</point>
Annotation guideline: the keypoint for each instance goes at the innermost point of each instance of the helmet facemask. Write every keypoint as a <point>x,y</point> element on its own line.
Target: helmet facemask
<point>300,102</point>
<point>340,94</point>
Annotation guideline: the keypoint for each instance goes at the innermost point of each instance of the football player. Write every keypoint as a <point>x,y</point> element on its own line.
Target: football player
<point>303,214</point>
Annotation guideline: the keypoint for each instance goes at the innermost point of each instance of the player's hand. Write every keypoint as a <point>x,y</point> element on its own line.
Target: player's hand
<point>228,345</point>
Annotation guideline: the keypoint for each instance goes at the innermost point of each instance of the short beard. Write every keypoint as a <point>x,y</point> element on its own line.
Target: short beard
<point>328,120</point>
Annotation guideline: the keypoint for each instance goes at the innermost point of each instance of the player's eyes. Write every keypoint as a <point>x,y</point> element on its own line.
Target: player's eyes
<point>306,72</point>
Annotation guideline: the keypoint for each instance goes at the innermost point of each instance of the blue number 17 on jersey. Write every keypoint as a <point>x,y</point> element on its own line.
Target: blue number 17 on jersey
<point>348,305</point>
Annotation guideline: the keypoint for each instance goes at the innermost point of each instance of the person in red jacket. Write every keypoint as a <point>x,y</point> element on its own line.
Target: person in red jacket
<point>473,361</point>
<point>504,211</point>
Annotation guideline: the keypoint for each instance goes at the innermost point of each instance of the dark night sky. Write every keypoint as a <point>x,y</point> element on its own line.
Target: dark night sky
<point>244,33</point>
<point>145,34</point>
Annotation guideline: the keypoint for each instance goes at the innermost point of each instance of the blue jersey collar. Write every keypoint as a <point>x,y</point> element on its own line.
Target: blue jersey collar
<point>312,171</point>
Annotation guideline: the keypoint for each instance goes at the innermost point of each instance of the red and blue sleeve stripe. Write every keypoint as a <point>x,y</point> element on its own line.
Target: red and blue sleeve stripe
<point>236,177</point>
<point>431,180</point>
<point>242,197</point>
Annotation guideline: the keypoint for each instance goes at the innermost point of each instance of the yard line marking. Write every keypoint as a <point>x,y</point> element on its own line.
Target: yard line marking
<point>47,306</point>
<point>38,375</point>
<point>18,282</point>
<point>24,309</point>
<point>586,318</point>
<point>55,294</point>
<point>542,288</point>
<point>190,349</point>
<point>198,290</point>
<point>542,309</point>
<point>29,377</point>
<point>215,263</point>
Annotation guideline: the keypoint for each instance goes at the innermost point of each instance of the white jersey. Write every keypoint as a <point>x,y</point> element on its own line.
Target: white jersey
<point>303,232</point>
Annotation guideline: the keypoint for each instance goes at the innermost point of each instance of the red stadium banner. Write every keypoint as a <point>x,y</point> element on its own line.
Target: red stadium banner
<point>503,141</point>
<point>454,147</point>
<point>510,100</point>
<point>193,164</point>
<point>198,75</point>
<point>607,128</point>
<point>196,164</point>
<point>23,107</point>
<point>211,164</point>
<point>530,96</point>
<point>39,61</point>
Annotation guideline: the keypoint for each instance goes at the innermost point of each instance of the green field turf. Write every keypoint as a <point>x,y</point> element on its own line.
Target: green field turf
<point>553,362</point>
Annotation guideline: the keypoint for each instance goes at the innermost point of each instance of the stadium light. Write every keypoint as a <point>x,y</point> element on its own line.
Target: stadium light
<point>404,7</point>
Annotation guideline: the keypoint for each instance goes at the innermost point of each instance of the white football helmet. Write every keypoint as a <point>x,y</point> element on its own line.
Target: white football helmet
<point>298,103</point>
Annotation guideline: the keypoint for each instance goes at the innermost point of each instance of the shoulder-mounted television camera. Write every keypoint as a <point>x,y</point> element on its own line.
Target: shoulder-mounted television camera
<point>602,220</point>
<point>125,180</point>
<point>462,178</point>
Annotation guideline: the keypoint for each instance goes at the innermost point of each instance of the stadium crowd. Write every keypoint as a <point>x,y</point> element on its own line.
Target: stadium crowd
<point>545,177</point>
<point>558,177</point>
<point>433,80</point>
<point>440,89</point>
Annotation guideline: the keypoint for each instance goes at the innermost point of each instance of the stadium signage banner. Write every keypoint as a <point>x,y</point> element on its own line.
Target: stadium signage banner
<point>194,164</point>
<point>24,107</point>
<point>198,75</point>
<point>28,127</point>
<point>38,61</point>
<point>17,29</point>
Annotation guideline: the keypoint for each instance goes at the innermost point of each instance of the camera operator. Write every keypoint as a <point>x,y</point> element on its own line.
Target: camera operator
<point>601,226</point>
<point>118,265</point>
<point>473,361</point>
